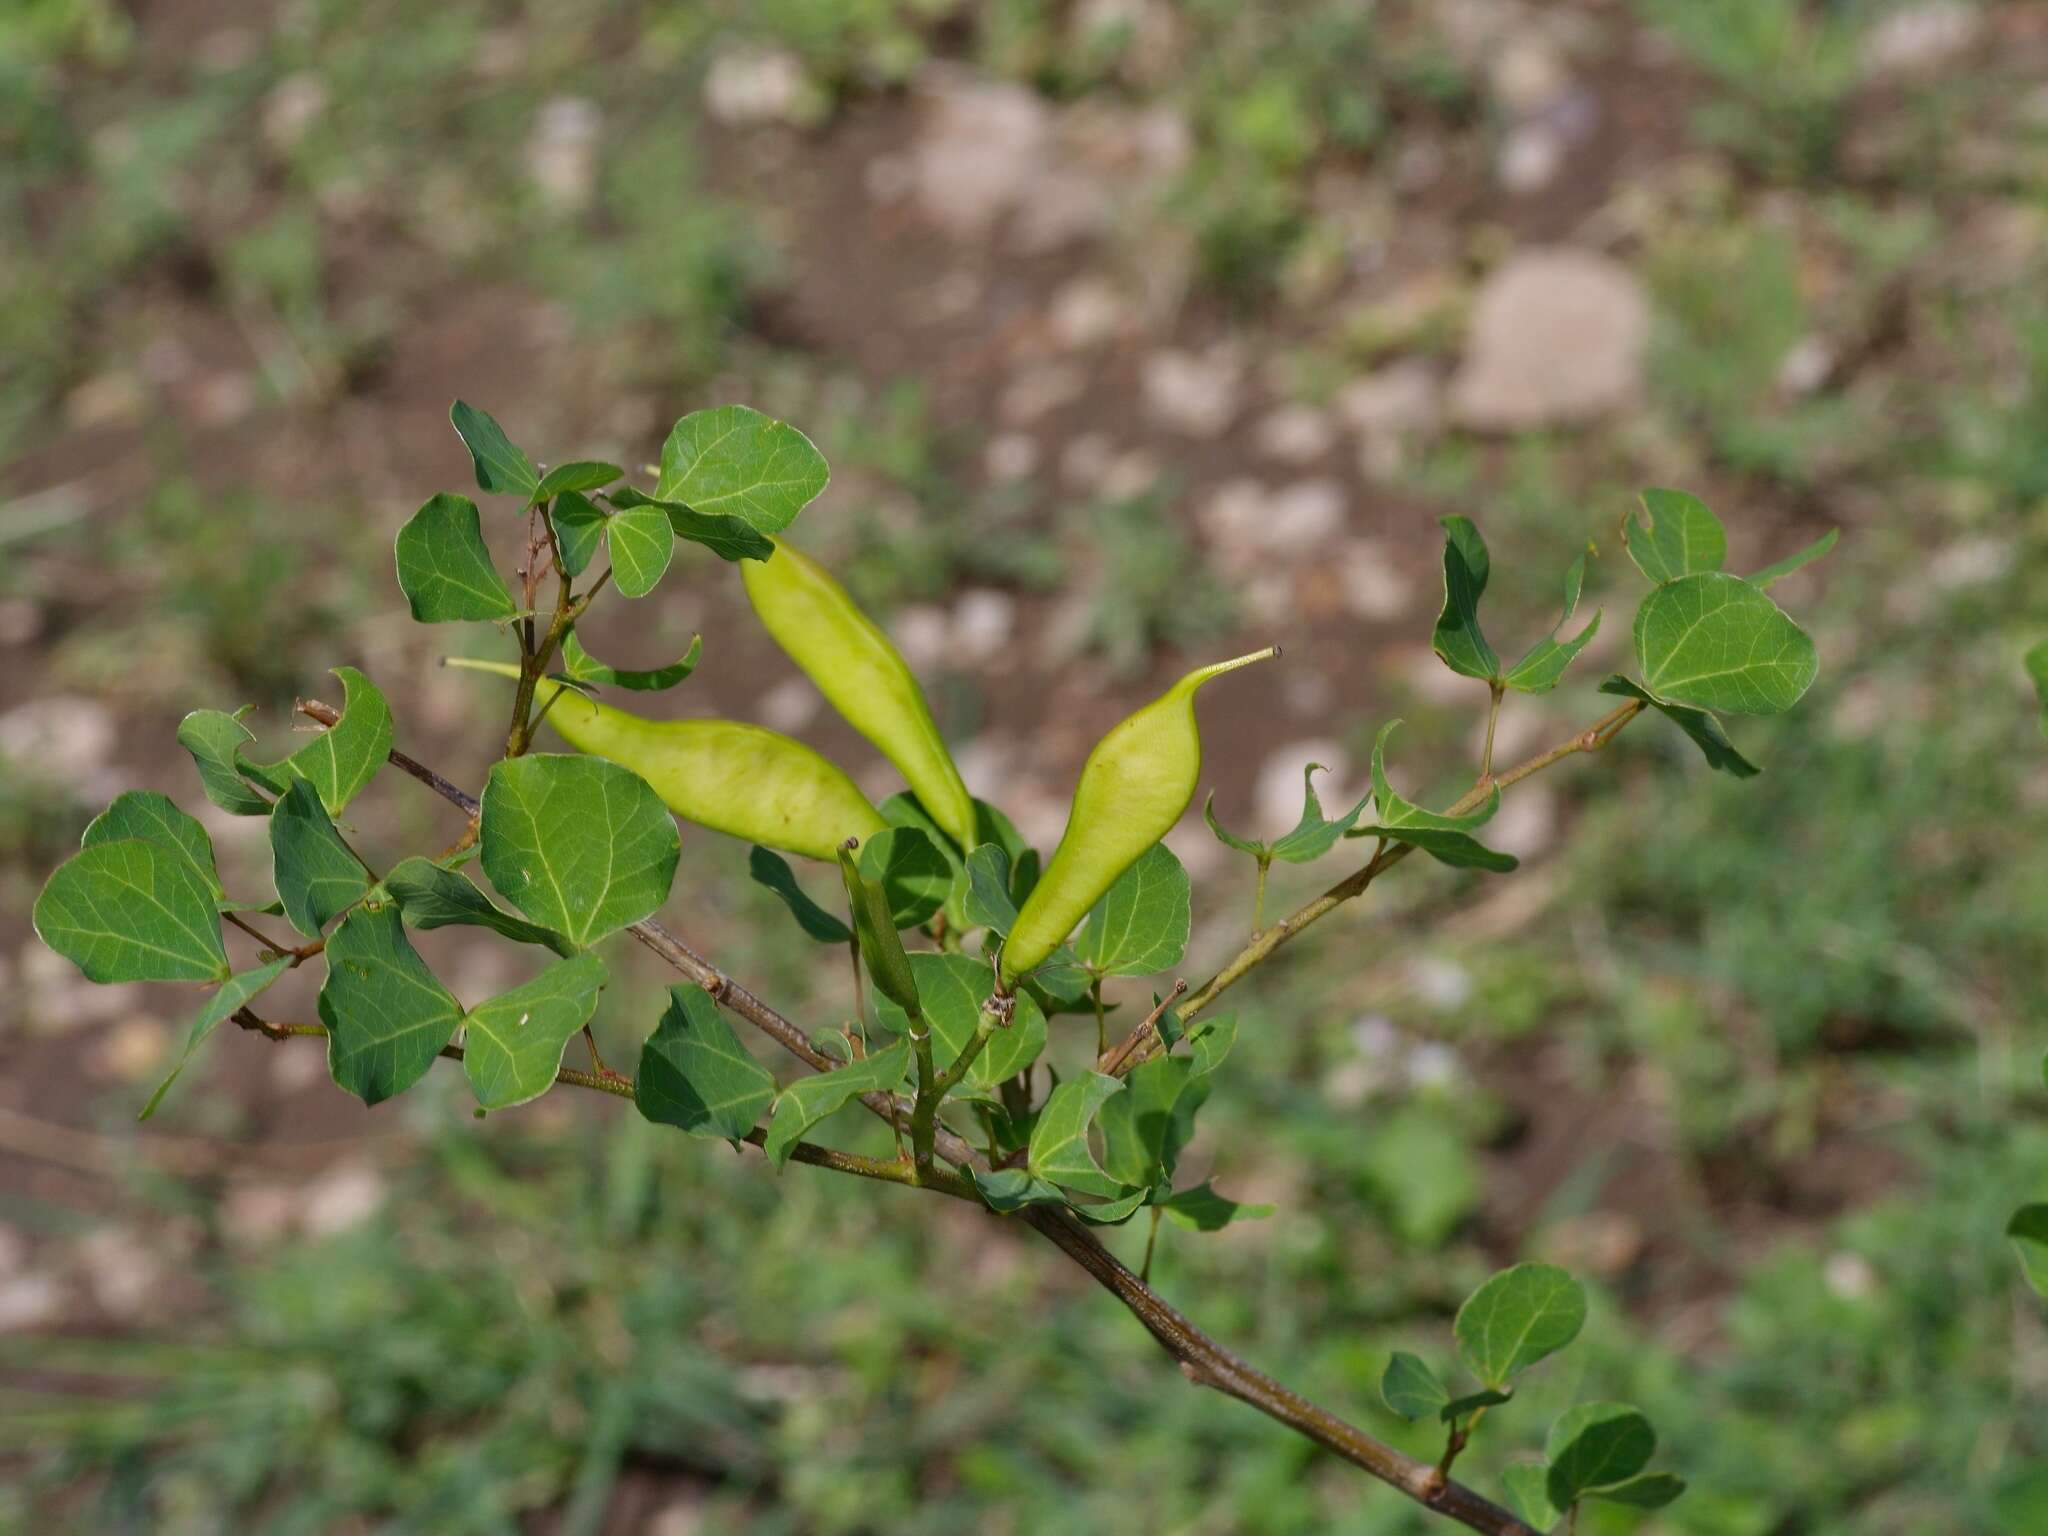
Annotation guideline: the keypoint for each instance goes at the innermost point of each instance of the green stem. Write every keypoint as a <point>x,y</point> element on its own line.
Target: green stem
<point>1259,895</point>
<point>1492,719</point>
<point>1151,1242</point>
<point>924,1110</point>
<point>1101,1020</point>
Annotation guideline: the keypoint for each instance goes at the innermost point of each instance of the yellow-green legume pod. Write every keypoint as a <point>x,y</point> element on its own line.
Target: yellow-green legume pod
<point>862,675</point>
<point>1133,788</point>
<point>732,777</point>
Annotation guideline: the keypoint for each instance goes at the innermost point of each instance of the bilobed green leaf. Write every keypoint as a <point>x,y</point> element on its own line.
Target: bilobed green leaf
<point>577,475</point>
<point>1230,839</point>
<point>432,896</point>
<point>1716,642</point>
<point>1313,836</point>
<point>1517,1318</point>
<point>738,462</point>
<point>512,1045</point>
<point>1410,1388</point>
<point>341,760</point>
<point>1059,1141</point>
<point>580,845</point>
<point>695,1074</point>
<point>1653,1490</point>
<point>579,530</point>
<point>444,567</point>
<point>1785,567</point>
<point>2028,1230</point>
<point>133,909</point>
<point>317,877</point>
<point>145,813</point>
<point>215,739</point>
<point>810,1099</point>
<point>2036,663</point>
<point>730,538</point>
<point>1703,728</point>
<point>772,870</point>
<point>1445,838</point>
<point>387,1016</point>
<point>1594,1446</point>
<point>1458,640</point>
<point>235,993</point>
<point>881,947</point>
<point>1141,924</point>
<point>642,544</point>
<point>1681,538</point>
<point>1202,1209</point>
<point>580,666</point>
<point>1528,1487</point>
<point>951,989</point>
<point>500,467</point>
<point>1540,670</point>
<point>915,876</point>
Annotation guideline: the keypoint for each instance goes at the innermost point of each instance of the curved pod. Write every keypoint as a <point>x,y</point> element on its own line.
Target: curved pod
<point>862,675</point>
<point>1133,788</point>
<point>741,779</point>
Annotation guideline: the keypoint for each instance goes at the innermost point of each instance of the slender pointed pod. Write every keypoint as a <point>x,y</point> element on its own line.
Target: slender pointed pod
<point>732,777</point>
<point>1133,788</point>
<point>862,675</point>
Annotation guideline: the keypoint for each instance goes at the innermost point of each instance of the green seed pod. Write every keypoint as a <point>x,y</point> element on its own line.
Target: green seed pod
<point>862,675</point>
<point>881,946</point>
<point>1133,788</point>
<point>746,780</point>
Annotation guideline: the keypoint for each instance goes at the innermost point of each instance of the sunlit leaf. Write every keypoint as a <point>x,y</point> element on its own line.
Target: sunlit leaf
<point>1680,537</point>
<point>215,739</point>
<point>1528,1488</point>
<point>1445,838</point>
<point>1716,642</point>
<point>810,1099</point>
<point>1517,1318</point>
<point>1540,670</point>
<point>728,537</point>
<point>694,1073</point>
<point>133,909</point>
<point>444,567</point>
<point>1059,1141</point>
<point>579,530</point>
<point>1458,640</point>
<point>387,1016</point>
<point>512,1045</point>
<point>2028,1230</point>
<point>342,759</point>
<point>581,666</point>
<point>951,989</point>
<point>913,873</point>
<point>317,877</point>
<point>1410,1388</point>
<point>577,475</point>
<point>881,947</point>
<point>147,814</point>
<point>1201,1208</point>
<point>735,461</point>
<point>1594,1446</point>
<point>1141,924</point>
<point>432,896</point>
<point>579,845</point>
<point>642,544</point>
<point>500,467</point>
<point>234,994</point>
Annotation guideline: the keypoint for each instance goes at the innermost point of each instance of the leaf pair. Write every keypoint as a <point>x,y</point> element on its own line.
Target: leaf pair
<point>1518,1317</point>
<point>1462,645</point>
<point>1594,1451</point>
<point>1444,837</point>
<point>1309,839</point>
<point>339,762</point>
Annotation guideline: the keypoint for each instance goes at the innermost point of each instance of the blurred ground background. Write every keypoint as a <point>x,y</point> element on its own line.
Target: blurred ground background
<point>1134,332</point>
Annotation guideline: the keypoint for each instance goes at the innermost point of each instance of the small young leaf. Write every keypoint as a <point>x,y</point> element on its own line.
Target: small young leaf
<point>1312,836</point>
<point>1141,924</point>
<point>881,947</point>
<point>577,475</point>
<point>317,877</point>
<point>387,1016</point>
<point>1458,640</point>
<point>1716,642</point>
<point>729,538</point>
<point>951,989</point>
<point>215,739</point>
<point>444,568</point>
<point>582,667</point>
<point>695,1074</point>
<point>2036,663</point>
<point>1410,1388</point>
<point>1785,567</point>
<point>1596,1445</point>
<point>1517,1318</point>
<point>810,1099</point>
<point>1528,1489</point>
<point>147,814</point>
<point>1011,1189</point>
<point>235,993</point>
<point>642,544</point>
<point>1458,1407</point>
<point>2028,1230</point>
<point>1059,1141</point>
<point>1230,839</point>
<point>913,873</point>
<point>1202,1209</point>
<point>1653,1490</point>
<point>580,845</point>
<point>736,461</point>
<point>1445,838</point>
<point>431,896</point>
<point>1682,538</point>
<point>1540,670</point>
<point>342,760</point>
<point>772,870</point>
<point>1702,727</point>
<point>1105,1213</point>
<point>133,909</point>
<point>512,1045</point>
<point>579,530</point>
<point>500,467</point>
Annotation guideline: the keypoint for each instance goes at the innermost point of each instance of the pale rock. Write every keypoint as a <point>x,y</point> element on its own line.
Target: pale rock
<point>30,1303</point>
<point>1039,815</point>
<point>1402,397</point>
<point>1440,983</point>
<point>1295,434</point>
<point>789,706</point>
<point>1195,394</point>
<point>1065,206</point>
<point>1425,672</point>
<point>1086,312</point>
<point>680,1517</point>
<point>561,153</point>
<point>978,152</point>
<point>1557,335</point>
<point>343,1198</point>
<point>1526,823</point>
<point>296,1071</point>
<point>291,108</point>
<point>223,398</point>
<point>747,87</point>
<point>1805,366</point>
<point>1303,518</point>
<point>122,1272</point>
<point>920,631</point>
<point>105,400</point>
<point>1269,599</point>
<point>985,764</point>
<point>1130,474</point>
<point>1010,456</point>
<point>1922,38</point>
<point>1527,74</point>
<point>1038,391</point>
<point>1086,460</point>
<point>1369,576</point>
<point>1419,163</point>
<point>255,1215</point>
<point>1965,563</point>
<point>889,178</point>
<point>1848,1276</point>
<point>1277,792</point>
<point>67,739</point>
<point>1530,157</point>
<point>1309,694</point>
<point>1432,1065</point>
<point>57,999</point>
<point>1231,519</point>
<point>132,1050</point>
<point>984,624</point>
